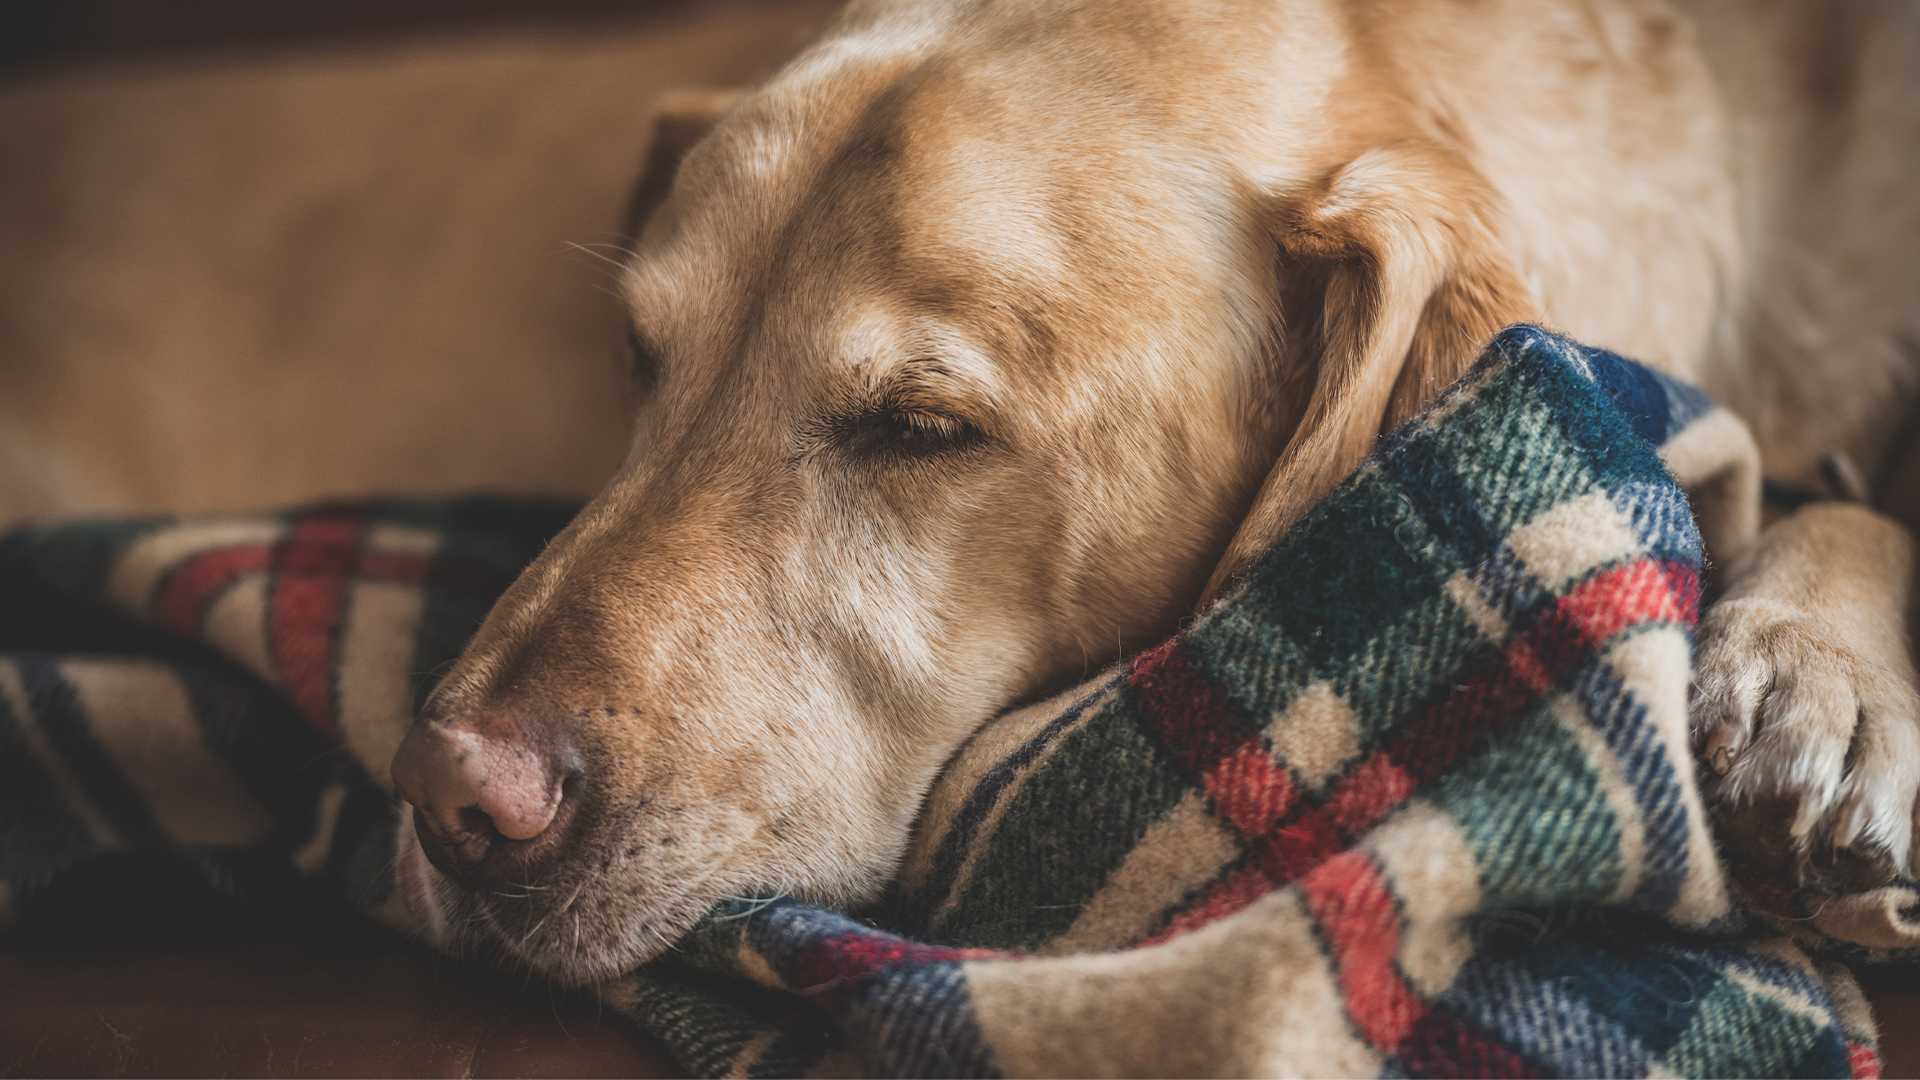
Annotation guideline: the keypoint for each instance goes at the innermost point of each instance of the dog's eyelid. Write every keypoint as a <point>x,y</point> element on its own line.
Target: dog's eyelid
<point>909,433</point>
<point>930,411</point>
<point>917,408</point>
<point>643,360</point>
<point>931,384</point>
<point>902,423</point>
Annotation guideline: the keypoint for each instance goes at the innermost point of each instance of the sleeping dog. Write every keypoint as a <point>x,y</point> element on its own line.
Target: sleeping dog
<point>986,341</point>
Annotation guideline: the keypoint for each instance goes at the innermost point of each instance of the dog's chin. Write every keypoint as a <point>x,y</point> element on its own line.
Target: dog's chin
<point>580,928</point>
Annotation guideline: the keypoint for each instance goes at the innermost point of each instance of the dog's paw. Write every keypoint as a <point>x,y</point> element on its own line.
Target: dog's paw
<point>1809,744</point>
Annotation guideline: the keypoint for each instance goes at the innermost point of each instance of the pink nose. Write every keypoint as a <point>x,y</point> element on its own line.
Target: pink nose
<point>471,789</point>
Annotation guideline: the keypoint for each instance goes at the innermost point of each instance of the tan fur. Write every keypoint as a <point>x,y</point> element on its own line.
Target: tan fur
<point>983,341</point>
<point>1804,683</point>
<point>987,340</point>
<point>1818,700</point>
<point>1404,242</point>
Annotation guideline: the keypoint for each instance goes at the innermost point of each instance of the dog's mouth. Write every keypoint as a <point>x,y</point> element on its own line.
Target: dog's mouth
<point>592,918</point>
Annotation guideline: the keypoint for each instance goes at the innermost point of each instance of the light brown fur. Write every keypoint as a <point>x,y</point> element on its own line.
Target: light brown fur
<point>988,341</point>
<point>981,341</point>
<point>1804,683</point>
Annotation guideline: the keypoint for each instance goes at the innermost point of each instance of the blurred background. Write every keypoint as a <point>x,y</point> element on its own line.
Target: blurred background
<point>257,254</point>
<point>37,33</point>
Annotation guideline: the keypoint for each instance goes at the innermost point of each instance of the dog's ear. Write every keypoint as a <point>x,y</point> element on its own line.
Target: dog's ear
<point>1399,258</point>
<point>679,120</point>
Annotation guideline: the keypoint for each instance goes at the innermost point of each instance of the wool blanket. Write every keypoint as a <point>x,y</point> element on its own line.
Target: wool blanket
<point>1416,799</point>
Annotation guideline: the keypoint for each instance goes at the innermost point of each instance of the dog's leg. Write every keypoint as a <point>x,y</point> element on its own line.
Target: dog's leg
<point>1805,710</point>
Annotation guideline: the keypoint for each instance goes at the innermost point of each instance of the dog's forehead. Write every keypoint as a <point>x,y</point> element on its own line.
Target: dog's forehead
<point>884,183</point>
<point>948,219</point>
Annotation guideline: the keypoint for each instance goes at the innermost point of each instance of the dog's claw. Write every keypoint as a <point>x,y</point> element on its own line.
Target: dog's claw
<point>1719,758</point>
<point>1811,811</point>
<point>1852,818</point>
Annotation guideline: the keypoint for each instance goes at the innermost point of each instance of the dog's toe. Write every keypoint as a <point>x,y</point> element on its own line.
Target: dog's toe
<point>1872,814</point>
<point>1797,730</point>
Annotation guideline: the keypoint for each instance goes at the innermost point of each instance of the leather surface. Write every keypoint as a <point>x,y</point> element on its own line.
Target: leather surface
<point>1897,1010</point>
<point>352,1008</point>
<point>299,1008</point>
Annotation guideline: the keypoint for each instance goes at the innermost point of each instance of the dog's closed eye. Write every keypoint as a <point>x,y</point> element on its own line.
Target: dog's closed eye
<point>914,413</point>
<point>643,364</point>
<point>906,431</point>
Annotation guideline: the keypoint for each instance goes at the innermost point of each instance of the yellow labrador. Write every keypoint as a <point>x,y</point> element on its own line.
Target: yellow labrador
<point>987,339</point>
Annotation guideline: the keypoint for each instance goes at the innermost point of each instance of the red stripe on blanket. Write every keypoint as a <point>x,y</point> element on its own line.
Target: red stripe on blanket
<point>183,598</point>
<point>388,566</point>
<point>1430,746</point>
<point>1190,716</point>
<point>1561,640</point>
<point>1299,844</point>
<point>1863,1061</point>
<point>313,567</point>
<point>1255,794</point>
<point>844,959</point>
<point>1683,580</point>
<point>1250,790</point>
<point>1365,796</point>
<point>1360,923</point>
<point>1305,841</point>
<point>1232,893</point>
<point>1442,1045</point>
<point>1612,600</point>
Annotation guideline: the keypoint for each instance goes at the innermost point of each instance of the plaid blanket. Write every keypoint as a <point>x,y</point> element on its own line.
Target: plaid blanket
<point>1416,799</point>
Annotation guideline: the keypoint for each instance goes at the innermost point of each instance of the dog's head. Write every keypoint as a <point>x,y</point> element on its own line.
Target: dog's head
<point>975,350</point>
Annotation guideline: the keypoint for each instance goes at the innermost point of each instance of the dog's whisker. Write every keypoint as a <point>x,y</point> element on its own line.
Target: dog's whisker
<point>534,929</point>
<point>521,890</point>
<point>612,267</point>
<point>757,904</point>
<point>665,942</point>
<point>604,289</point>
<point>588,249</point>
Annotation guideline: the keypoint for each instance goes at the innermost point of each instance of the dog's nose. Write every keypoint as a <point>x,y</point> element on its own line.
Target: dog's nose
<point>485,801</point>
